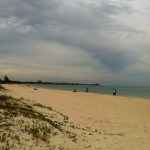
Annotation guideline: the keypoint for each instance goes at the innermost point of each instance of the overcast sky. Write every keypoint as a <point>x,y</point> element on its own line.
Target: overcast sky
<point>105,41</point>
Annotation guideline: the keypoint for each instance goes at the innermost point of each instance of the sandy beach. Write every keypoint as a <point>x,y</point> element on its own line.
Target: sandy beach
<point>108,122</point>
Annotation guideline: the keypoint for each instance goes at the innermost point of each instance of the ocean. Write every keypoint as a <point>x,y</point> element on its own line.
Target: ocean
<point>127,91</point>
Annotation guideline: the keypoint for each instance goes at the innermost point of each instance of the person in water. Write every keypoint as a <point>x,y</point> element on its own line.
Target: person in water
<point>114,92</point>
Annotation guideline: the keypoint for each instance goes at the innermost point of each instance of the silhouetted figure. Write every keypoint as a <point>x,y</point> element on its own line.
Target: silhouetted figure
<point>87,90</point>
<point>75,90</point>
<point>114,92</point>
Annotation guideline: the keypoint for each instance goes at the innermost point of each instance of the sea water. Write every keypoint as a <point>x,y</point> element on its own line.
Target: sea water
<point>128,91</point>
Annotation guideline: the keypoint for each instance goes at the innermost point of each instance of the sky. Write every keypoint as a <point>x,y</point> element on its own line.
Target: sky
<point>88,41</point>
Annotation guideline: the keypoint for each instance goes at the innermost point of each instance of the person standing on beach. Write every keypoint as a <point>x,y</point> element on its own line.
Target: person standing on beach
<point>87,90</point>
<point>114,92</point>
<point>74,90</point>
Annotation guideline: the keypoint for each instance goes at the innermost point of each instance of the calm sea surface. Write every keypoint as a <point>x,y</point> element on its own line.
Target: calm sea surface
<point>139,92</point>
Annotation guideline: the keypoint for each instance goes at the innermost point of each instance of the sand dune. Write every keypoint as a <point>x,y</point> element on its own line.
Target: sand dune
<point>96,121</point>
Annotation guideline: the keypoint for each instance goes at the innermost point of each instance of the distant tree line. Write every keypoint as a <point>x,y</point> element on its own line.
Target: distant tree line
<point>6,80</point>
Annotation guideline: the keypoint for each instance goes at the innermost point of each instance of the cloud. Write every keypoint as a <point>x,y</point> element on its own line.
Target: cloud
<point>98,40</point>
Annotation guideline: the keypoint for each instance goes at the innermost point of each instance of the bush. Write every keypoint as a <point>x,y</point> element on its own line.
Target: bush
<point>5,97</point>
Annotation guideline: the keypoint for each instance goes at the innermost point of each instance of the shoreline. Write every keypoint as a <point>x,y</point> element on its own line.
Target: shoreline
<point>124,123</point>
<point>130,97</point>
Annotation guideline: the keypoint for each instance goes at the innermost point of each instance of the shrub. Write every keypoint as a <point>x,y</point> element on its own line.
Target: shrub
<point>5,97</point>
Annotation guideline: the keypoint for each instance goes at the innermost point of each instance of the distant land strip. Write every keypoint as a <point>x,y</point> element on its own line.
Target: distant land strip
<point>8,81</point>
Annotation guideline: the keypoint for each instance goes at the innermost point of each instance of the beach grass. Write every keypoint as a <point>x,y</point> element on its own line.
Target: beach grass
<point>19,116</point>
